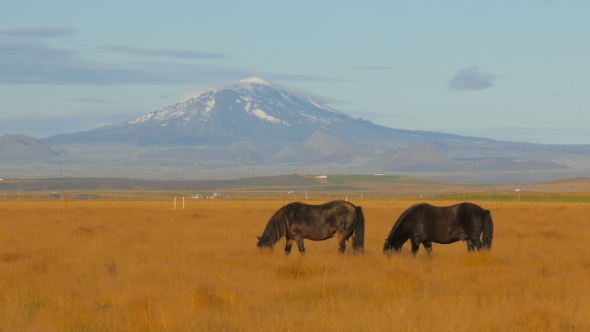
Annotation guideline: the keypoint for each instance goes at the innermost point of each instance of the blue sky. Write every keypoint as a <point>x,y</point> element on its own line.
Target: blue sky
<point>507,70</point>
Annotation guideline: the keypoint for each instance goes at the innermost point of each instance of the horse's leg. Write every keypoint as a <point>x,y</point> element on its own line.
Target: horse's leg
<point>288,246</point>
<point>343,234</point>
<point>341,242</point>
<point>470,245</point>
<point>415,247</point>
<point>428,246</point>
<point>475,242</point>
<point>299,241</point>
<point>416,239</point>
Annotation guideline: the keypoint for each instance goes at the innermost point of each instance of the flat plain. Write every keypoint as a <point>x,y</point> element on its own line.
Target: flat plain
<point>142,266</point>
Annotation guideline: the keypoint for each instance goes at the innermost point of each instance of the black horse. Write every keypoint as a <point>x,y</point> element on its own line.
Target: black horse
<point>298,221</point>
<point>424,224</point>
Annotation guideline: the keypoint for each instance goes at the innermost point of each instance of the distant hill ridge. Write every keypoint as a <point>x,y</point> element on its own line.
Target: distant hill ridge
<point>424,158</point>
<point>23,147</point>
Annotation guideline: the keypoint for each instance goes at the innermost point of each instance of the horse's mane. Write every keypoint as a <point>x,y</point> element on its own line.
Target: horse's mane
<point>276,227</point>
<point>402,218</point>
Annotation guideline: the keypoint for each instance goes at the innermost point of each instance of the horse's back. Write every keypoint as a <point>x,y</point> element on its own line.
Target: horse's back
<point>338,206</point>
<point>472,207</point>
<point>324,212</point>
<point>323,221</point>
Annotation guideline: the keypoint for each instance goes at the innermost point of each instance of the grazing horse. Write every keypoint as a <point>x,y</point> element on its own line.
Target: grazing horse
<point>298,221</point>
<point>424,224</point>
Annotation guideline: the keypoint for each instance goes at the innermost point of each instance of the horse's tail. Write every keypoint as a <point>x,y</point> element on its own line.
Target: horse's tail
<point>488,231</point>
<point>358,238</point>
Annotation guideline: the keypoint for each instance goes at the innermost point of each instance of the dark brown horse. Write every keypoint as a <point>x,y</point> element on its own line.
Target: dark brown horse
<point>298,221</point>
<point>424,224</point>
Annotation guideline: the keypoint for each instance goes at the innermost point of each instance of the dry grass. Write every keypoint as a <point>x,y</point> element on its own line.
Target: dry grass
<point>139,266</point>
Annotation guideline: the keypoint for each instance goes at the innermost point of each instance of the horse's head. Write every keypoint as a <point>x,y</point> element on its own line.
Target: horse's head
<point>264,242</point>
<point>387,247</point>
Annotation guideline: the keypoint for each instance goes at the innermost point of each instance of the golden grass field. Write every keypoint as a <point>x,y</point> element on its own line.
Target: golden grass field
<point>141,266</point>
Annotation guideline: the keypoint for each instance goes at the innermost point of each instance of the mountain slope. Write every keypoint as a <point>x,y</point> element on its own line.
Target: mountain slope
<point>424,158</point>
<point>496,164</point>
<point>418,158</point>
<point>239,152</point>
<point>318,145</point>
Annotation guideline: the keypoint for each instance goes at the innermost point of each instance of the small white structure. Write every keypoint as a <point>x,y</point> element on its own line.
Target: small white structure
<point>217,195</point>
<point>321,177</point>
<point>379,174</point>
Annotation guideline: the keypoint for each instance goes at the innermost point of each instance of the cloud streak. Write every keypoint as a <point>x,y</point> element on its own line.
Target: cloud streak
<point>45,125</point>
<point>471,78</point>
<point>373,68</point>
<point>34,62</point>
<point>39,32</point>
<point>92,100</point>
<point>177,54</point>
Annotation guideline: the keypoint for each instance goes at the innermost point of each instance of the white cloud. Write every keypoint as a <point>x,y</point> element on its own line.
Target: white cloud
<point>471,78</point>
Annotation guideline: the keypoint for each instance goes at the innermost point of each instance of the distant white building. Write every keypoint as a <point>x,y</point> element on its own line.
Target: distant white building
<point>321,177</point>
<point>217,195</point>
<point>379,174</point>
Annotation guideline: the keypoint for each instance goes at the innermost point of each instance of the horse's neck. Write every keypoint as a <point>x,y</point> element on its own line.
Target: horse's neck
<point>275,229</point>
<point>397,235</point>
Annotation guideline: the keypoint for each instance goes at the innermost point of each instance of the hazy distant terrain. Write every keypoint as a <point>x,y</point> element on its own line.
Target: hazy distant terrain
<point>257,128</point>
<point>294,186</point>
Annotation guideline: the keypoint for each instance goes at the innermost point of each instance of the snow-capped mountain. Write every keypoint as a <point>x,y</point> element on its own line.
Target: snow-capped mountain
<point>251,98</point>
<point>248,110</point>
